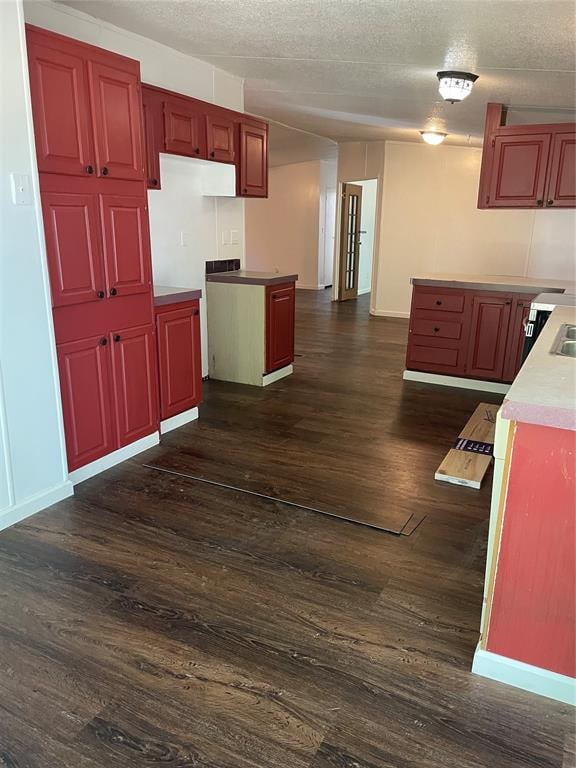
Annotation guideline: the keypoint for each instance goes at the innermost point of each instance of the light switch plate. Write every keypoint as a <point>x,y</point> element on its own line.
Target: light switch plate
<point>21,188</point>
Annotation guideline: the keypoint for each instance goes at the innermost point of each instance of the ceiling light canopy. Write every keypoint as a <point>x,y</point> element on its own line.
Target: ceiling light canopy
<point>433,137</point>
<point>455,86</point>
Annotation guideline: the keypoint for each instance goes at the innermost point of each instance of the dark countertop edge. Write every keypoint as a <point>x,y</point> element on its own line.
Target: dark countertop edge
<point>230,277</point>
<point>496,287</point>
<point>177,296</point>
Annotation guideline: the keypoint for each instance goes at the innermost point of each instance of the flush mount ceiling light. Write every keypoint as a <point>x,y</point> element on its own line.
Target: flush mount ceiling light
<point>455,86</point>
<point>433,137</point>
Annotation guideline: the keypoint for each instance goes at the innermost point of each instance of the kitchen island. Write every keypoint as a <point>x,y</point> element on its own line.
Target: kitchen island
<point>528,632</point>
<point>468,330</point>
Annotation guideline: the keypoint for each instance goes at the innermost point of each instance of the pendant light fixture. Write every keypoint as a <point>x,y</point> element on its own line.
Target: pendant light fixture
<point>433,137</point>
<point>455,86</point>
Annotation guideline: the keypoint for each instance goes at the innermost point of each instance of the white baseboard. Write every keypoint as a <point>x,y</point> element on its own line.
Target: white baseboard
<point>178,421</point>
<point>525,676</point>
<point>270,378</point>
<point>363,291</point>
<point>456,381</point>
<point>35,504</point>
<point>106,462</point>
<point>388,313</point>
<point>319,287</point>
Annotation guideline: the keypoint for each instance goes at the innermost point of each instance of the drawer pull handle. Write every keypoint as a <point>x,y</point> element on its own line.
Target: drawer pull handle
<point>438,303</point>
<point>436,330</point>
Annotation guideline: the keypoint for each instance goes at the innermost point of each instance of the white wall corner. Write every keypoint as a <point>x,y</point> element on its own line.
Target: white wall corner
<point>520,675</point>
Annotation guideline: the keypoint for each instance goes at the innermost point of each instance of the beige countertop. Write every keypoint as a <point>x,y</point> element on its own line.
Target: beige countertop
<point>250,278</point>
<point>166,294</point>
<point>544,391</point>
<point>495,283</point>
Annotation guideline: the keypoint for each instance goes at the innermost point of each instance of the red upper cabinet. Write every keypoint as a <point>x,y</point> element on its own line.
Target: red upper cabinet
<point>561,192</point>
<point>527,166</point>
<point>180,360</point>
<point>126,244</point>
<point>253,167</point>
<point>61,109</point>
<point>135,372</point>
<point>280,311</point>
<point>184,128</point>
<point>86,386</point>
<point>116,108</point>
<point>489,336</point>
<point>73,246</point>
<point>519,171</point>
<point>220,138</point>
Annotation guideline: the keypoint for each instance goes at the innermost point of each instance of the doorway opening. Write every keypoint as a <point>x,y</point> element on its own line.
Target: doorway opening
<point>357,238</point>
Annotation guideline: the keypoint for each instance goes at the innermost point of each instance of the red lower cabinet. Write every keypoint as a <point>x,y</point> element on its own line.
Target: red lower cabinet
<point>136,394</point>
<point>490,320</point>
<point>280,313</point>
<point>179,357</point>
<point>87,399</point>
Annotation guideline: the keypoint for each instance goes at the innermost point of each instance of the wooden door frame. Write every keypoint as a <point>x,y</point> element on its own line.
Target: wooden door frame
<point>341,254</point>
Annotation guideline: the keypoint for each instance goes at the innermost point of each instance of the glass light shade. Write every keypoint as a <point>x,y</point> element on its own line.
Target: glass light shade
<point>433,137</point>
<point>455,86</point>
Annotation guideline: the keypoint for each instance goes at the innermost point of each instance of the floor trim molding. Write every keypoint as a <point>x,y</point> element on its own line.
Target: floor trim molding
<point>525,676</point>
<point>34,504</point>
<point>270,378</point>
<point>456,381</point>
<point>388,313</point>
<point>116,457</point>
<point>178,421</point>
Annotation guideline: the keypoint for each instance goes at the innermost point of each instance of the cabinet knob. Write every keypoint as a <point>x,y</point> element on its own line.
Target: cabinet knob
<point>104,171</point>
<point>197,150</point>
<point>212,154</point>
<point>244,190</point>
<point>100,294</point>
<point>436,330</point>
<point>539,203</point>
<point>103,341</point>
<point>509,301</point>
<point>549,202</point>
<point>117,337</point>
<point>154,182</point>
<point>89,169</point>
<point>438,303</point>
<point>113,292</point>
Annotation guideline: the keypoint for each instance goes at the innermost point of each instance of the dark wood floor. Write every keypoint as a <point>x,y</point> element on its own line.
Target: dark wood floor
<point>158,620</point>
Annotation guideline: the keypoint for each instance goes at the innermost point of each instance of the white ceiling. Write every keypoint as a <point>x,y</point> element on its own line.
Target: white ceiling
<point>366,69</point>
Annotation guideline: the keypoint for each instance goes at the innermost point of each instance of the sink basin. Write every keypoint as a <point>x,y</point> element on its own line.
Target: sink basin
<point>565,341</point>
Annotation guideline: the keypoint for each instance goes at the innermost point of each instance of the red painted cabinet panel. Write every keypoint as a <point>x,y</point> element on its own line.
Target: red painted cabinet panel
<point>489,336</point>
<point>73,246</point>
<point>126,244</point>
<point>135,371</point>
<point>519,171</point>
<point>61,109</point>
<point>117,114</point>
<point>86,387</point>
<point>184,128</point>
<point>280,314</point>
<point>519,312</point>
<point>153,135</point>
<point>220,138</point>
<point>561,191</point>
<point>180,360</point>
<point>253,170</point>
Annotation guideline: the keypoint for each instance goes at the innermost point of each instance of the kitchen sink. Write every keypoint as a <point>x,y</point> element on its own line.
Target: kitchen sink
<point>565,342</point>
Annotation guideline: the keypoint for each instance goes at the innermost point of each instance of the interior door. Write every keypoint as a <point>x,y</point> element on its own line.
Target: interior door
<point>561,191</point>
<point>519,171</point>
<point>351,213</point>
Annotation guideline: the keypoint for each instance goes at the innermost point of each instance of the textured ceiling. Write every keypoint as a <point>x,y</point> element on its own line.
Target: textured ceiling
<point>365,69</point>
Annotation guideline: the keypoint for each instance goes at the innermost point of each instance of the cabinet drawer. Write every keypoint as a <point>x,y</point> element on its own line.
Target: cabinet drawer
<point>439,301</point>
<point>438,356</point>
<point>439,329</point>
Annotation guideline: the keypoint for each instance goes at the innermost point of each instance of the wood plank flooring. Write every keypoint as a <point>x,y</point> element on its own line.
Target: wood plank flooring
<point>157,620</point>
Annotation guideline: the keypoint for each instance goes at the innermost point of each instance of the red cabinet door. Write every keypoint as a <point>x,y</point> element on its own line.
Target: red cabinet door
<point>86,386</point>
<point>519,311</point>
<point>184,129</point>
<point>519,171</point>
<point>488,337</point>
<point>180,360</point>
<point>280,306</point>
<point>253,176</point>
<point>61,109</point>
<point>135,388</point>
<point>126,244</point>
<point>561,191</point>
<point>73,246</point>
<point>153,136</point>
<point>117,116</point>
<point>220,138</point>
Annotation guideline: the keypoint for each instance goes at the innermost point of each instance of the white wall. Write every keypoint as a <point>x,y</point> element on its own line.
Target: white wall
<point>282,232</point>
<point>327,223</point>
<point>178,206</point>
<point>368,227</point>
<point>430,223</point>
<point>32,455</point>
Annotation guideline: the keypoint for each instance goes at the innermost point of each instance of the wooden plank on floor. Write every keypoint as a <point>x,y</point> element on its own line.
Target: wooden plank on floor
<point>463,467</point>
